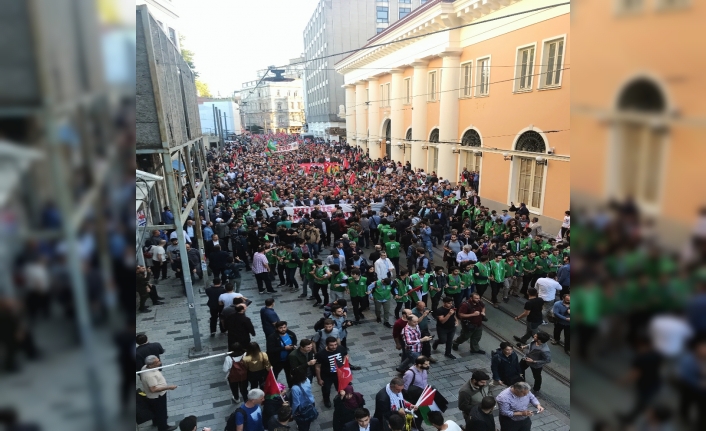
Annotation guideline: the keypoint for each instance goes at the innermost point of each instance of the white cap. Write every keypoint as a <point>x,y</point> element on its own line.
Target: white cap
<point>219,220</point>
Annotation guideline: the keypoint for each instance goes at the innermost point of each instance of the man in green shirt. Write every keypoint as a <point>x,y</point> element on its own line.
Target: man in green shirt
<point>357,287</point>
<point>455,286</point>
<point>498,273</point>
<point>512,282</point>
<point>481,274</point>
<point>307,278</point>
<point>291,263</point>
<point>393,253</point>
<point>286,222</point>
<point>530,265</point>
<point>321,275</point>
<point>421,278</point>
<point>400,289</point>
<point>381,292</point>
<point>338,282</point>
<point>544,265</point>
<point>271,256</point>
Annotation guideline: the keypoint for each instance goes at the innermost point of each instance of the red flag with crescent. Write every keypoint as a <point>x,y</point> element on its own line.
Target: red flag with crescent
<point>345,377</point>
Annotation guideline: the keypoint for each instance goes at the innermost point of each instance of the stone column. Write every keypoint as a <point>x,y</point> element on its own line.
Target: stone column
<point>374,118</point>
<point>419,114</point>
<point>350,114</point>
<point>397,130</point>
<point>361,114</point>
<point>448,115</point>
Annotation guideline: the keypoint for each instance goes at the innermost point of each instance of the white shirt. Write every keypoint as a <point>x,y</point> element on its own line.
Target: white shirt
<point>547,288</point>
<point>227,298</point>
<point>669,334</point>
<point>452,426</point>
<point>567,222</point>
<point>158,253</point>
<point>382,266</point>
<point>463,256</point>
<point>173,235</point>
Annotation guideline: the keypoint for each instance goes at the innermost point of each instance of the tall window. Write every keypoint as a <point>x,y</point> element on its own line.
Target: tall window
<point>367,97</point>
<point>483,77</point>
<point>406,1</point>
<point>552,63</point>
<point>279,106</point>
<point>172,35</point>
<point>431,96</point>
<point>387,94</point>
<point>524,69</point>
<point>382,14</point>
<point>472,161</point>
<point>471,139</point>
<point>382,96</point>
<point>404,11</point>
<point>531,174</point>
<point>278,92</point>
<point>466,69</point>
<point>408,91</point>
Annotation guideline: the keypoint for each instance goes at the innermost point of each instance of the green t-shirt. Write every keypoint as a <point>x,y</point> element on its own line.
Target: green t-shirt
<point>389,235</point>
<point>290,257</point>
<point>271,258</point>
<point>393,249</point>
<point>382,292</point>
<point>357,288</point>
<point>286,223</point>
<point>455,284</point>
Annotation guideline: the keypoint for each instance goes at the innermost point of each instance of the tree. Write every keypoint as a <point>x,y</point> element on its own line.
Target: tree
<point>188,55</point>
<point>202,89</point>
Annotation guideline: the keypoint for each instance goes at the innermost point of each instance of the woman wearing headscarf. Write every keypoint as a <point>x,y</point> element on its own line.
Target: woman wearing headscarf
<point>344,405</point>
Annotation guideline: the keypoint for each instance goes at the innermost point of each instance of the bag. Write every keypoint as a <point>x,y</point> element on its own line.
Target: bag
<point>319,325</point>
<point>230,422</point>
<point>238,372</point>
<point>147,252</point>
<point>308,413</point>
<point>449,255</point>
<point>143,412</point>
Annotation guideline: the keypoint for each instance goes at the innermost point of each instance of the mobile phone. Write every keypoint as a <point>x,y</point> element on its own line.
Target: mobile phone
<point>534,412</point>
<point>432,336</point>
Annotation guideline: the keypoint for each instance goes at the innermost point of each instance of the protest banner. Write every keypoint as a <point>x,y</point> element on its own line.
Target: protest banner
<point>296,213</point>
<point>282,148</point>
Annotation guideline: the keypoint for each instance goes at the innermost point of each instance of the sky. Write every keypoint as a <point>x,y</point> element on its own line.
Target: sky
<point>233,39</point>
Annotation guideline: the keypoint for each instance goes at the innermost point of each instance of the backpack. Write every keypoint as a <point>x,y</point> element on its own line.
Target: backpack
<point>230,422</point>
<point>238,372</point>
<point>319,325</point>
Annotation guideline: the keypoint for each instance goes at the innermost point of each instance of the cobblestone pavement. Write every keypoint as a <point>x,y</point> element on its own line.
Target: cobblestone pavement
<point>203,390</point>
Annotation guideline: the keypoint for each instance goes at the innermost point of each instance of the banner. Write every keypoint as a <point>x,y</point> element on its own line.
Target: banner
<point>281,148</point>
<point>323,166</point>
<point>348,210</point>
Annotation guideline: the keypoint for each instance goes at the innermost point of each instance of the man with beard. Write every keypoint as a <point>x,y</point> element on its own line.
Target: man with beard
<point>472,393</point>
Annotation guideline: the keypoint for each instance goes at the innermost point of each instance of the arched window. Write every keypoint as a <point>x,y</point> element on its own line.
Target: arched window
<point>278,92</point>
<point>408,136</point>
<point>470,139</point>
<point>531,141</point>
<point>434,136</point>
<point>641,142</point>
<point>530,173</point>
<point>279,106</point>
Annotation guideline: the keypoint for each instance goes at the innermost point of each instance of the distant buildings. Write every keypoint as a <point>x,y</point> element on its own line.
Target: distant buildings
<point>229,116</point>
<point>274,106</point>
<point>338,26</point>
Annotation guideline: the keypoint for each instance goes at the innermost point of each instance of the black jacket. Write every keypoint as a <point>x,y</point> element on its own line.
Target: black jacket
<point>213,293</point>
<point>240,328</point>
<point>479,420</point>
<point>274,345</point>
<point>353,425</point>
<point>145,350</point>
<point>383,410</point>
<point>219,259</point>
<point>505,368</point>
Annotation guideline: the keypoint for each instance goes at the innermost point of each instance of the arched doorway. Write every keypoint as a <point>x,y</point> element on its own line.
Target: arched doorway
<point>530,175</point>
<point>640,136</point>
<point>471,160</point>
<point>433,160</point>
<point>388,139</point>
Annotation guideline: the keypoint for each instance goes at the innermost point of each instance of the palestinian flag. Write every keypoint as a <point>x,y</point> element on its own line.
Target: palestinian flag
<point>346,165</point>
<point>350,191</point>
<point>274,196</point>
<point>427,404</point>
<point>271,147</point>
<point>351,178</point>
<point>271,388</point>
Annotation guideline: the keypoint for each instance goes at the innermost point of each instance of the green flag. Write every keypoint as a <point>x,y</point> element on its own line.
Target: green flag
<point>316,174</point>
<point>350,192</point>
<point>274,196</point>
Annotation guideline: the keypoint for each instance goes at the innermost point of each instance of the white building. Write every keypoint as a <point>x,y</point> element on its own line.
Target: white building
<point>229,112</point>
<point>167,16</point>
<point>275,106</point>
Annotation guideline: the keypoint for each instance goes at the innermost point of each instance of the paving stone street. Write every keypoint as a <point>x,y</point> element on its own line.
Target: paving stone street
<point>203,390</point>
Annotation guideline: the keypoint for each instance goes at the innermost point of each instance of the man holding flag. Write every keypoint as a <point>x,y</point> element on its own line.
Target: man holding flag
<point>327,363</point>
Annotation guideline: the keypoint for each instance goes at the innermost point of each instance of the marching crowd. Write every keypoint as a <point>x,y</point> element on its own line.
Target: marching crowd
<point>380,222</point>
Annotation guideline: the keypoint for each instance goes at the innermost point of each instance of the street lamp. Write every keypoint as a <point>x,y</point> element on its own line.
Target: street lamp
<point>541,160</point>
<point>507,156</point>
<point>455,150</point>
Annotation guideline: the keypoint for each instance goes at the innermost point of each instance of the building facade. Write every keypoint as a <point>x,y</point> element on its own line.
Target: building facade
<point>491,97</point>
<point>643,124</point>
<point>167,16</point>
<point>339,26</point>
<point>274,106</point>
<point>230,116</point>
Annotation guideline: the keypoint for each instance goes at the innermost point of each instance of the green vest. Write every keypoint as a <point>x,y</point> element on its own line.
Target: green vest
<point>556,261</point>
<point>271,258</point>
<point>510,270</point>
<point>455,285</point>
<point>525,243</point>
<point>403,288</point>
<point>483,272</point>
<point>381,292</point>
<point>289,256</point>
<point>306,268</point>
<point>357,288</point>
<point>467,278</point>
<point>529,265</point>
<point>337,279</point>
<point>417,280</point>
<point>393,249</point>
<point>545,264</point>
<point>488,226</point>
<point>498,270</point>
<point>320,273</point>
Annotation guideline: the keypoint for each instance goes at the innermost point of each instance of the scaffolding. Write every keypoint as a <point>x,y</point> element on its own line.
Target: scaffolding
<point>170,142</point>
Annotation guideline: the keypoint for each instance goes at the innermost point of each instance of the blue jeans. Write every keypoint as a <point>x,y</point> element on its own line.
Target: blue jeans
<point>427,245</point>
<point>366,239</point>
<point>291,280</point>
<point>305,283</point>
<point>408,359</point>
<point>314,250</point>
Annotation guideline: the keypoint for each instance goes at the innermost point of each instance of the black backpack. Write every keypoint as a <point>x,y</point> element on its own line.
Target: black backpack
<point>230,422</point>
<point>319,325</point>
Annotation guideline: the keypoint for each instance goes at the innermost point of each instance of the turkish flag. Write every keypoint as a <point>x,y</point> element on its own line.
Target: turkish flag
<point>346,165</point>
<point>345,377</point>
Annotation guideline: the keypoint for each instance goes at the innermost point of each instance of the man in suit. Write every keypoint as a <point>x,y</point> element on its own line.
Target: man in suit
<point>218,261</point>
<point>384,402</point>
<point>363,422</point>
<point>214,292</point>
<point>253,239</point>
<point>145,349</point>
<point>209,246</point>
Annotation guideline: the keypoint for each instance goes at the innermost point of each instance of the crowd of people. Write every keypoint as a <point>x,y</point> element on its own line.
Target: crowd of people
<point>277,213</point>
